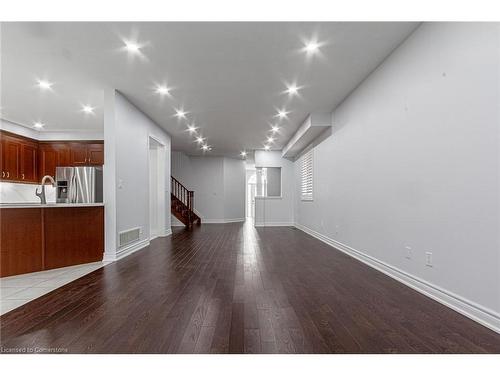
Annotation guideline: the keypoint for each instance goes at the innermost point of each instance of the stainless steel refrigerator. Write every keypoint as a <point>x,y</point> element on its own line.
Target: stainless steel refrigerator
<point>79,185</point>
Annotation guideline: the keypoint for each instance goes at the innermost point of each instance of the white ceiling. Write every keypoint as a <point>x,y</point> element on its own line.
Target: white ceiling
<point>229,76</point>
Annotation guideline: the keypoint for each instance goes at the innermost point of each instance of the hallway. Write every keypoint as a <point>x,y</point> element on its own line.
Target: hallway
<point>233,288</point>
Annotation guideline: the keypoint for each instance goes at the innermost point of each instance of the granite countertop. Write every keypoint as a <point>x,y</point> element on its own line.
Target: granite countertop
<point>48,205</point>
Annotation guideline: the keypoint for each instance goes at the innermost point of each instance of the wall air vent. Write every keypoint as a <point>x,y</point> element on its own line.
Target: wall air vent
<point>129,236</point>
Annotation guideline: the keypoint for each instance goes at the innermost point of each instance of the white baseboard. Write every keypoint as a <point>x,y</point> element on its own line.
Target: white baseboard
<point>109,257</point>
<point>221,221</point>
<point>132,248</point>
<point>274,224</point>
<point>165,233</point>
<point>238,220</point>
<point>472,310</point>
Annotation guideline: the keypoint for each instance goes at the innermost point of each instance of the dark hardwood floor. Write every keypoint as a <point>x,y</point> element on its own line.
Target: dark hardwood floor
<point>231,288</point>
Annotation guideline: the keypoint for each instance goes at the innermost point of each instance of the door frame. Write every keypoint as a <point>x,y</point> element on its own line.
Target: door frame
<point>161,199</point>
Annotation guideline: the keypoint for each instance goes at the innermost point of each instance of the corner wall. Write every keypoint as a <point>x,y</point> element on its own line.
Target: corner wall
<point>126,173</point>
<point>276,211</point>
<point>413,162</point>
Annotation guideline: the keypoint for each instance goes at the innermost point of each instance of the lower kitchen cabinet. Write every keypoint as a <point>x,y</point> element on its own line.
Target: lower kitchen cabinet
<point>36,239</point>
<point>20,241</point>
<point>73,236</point>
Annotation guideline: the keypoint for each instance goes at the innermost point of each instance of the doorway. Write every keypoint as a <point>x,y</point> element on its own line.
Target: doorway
<point>157,209</point>
<point>251,190</point>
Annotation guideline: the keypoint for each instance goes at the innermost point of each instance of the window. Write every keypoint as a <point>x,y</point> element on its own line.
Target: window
<point>269,182</point>
<point>306,176</point>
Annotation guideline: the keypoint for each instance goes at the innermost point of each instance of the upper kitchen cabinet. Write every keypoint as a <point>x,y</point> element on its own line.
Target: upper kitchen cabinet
<point>96,153</point>
<point>87,153</point>
<point>28,162</point>
<point>69,154</point>
<point>19,158</point>
<point>52,155</point>
<point>79,154</point>
<point>11,148</point>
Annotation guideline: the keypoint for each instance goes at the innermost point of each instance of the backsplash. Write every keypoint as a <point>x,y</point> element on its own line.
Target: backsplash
<point>21,193</point>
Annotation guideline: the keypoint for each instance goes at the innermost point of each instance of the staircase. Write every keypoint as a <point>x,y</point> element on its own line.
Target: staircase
<point>182,203</point>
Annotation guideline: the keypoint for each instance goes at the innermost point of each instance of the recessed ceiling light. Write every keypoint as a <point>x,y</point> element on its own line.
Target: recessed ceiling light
<point>292,90</point>
<point>200,139</point>
<point>163,90</point>
<point>243,154</point>
<point>311,47</point>
<point>132,47</point>
<point>267,147</point>
<point>282,113</point>
<point>191,129</point>
<point>179,113</point>
<point>270,139</point>
<point>206,148</point>
<point>44,85</point>
<point>88,109</point>
<point>275,128</point>
<point>38,125</point>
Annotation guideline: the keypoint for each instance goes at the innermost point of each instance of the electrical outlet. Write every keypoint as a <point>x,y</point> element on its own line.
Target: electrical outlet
<point>408,252</point>
<point>428,259</point>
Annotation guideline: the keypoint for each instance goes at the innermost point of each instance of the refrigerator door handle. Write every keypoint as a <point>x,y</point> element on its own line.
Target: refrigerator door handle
<point>73,188</point>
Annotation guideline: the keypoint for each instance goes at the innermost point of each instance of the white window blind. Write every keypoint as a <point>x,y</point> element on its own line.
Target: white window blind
<point>306,173</point>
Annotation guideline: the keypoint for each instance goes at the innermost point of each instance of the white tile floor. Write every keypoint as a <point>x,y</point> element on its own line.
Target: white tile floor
<point>18,290</point>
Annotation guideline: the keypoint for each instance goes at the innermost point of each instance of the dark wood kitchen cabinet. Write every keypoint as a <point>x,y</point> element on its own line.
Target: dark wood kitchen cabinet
<point>27,160</point>
<point>78,154</point>
<point>10,158</point>
<point>96,153</point>
<point>19,158</point>
<point>83,154</point>
<point>36,239</point>
<point>21,241</point>
<point>52,155</point>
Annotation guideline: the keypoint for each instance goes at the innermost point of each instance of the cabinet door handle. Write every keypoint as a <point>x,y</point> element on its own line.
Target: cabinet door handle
<point>8,174</point>
<point>3,174</point>
<point>22,174</point>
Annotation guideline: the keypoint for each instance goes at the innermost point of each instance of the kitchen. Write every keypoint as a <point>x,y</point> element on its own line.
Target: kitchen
<point>51,210</point>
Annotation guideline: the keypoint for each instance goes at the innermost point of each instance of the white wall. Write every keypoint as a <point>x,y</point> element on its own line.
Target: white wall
<point>234,189</point>
<point>207,181</point>
<point>128,130</point>
<point>414,161</point>
<point>218,184</point>
<point>181,168</point>
<point>47,135</point>
<point>271,211</point>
